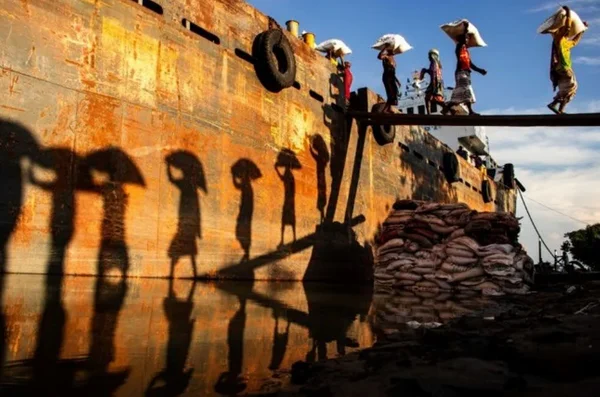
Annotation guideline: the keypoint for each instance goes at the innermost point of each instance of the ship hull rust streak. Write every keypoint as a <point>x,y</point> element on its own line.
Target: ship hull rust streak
<point>133,145</point>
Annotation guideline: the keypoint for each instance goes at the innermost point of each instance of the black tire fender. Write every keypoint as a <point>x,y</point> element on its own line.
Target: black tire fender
<point>509,176</point>
<point>383,134</point>
<point>275,62</point>
<point>486,191</point>
<point>451,167</point>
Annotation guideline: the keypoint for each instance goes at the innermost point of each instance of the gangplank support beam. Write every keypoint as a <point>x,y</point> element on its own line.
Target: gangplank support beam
<point>533,120</point>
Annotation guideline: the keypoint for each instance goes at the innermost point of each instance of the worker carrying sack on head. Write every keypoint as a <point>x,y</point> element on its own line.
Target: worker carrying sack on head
<point>334,49</point>
<point>390,45</point>
<point>465,35</point>
<point>566,29</point>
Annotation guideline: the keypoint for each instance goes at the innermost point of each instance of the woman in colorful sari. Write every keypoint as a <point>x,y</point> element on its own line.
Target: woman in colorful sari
<point>561,67</point>
<point>435,90</point>
<point>463,91</point>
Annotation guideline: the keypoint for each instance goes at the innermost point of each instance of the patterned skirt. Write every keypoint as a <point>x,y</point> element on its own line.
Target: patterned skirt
<point>567,85</point>
<point>463,91</point>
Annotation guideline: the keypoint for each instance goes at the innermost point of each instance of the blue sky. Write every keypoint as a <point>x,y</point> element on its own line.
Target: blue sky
<point>560,167</point>
<point>516,58</point>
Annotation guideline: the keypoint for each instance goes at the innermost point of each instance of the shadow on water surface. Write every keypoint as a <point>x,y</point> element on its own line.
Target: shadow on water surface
<point>174,377</point>
<point>189,225</point>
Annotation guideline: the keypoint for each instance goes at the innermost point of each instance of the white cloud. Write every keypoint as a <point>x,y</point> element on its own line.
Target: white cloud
<point>554,5</point>
<point>591,40</point>
<point>560,167</point>
<point>589,61</point>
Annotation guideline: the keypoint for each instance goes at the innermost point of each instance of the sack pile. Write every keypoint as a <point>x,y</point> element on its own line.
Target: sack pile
<point>449,247</point>
<point>424,309</point>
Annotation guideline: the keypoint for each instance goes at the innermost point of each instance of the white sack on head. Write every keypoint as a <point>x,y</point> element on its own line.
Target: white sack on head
<point>455,29</point>
<point>558,20</point>
<point>395,42</point>
<point>336,45</point>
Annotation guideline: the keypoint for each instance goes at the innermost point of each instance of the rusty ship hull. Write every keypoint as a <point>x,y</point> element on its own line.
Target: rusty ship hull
<point>181,143</point>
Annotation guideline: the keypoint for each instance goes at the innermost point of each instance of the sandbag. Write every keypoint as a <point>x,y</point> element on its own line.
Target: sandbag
<point>404,283</point>
<point>558,20</point>
<point>444,230</point>
<point>461,260</point>
<point>440,283</point>
<point>422,270</point>
<point>394,243</point>
<point>451,268</point>
<point>429,207</point>
<point>455,29</point>
<point>338,47</point>
<point>504,248</point>
<point>407,276</point>
<point>463,253</point>
<point>456,234</point>
<point>395,42</point>
<point>471,273</point>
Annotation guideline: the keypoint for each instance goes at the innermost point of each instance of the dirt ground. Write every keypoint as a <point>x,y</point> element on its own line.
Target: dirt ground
<point>544,344</point>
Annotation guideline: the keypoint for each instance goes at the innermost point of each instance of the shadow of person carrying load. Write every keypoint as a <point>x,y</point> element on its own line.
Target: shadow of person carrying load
<point>243,172</point>
<point>189,225</point>
<point>106,172</point>
<point>318,150</point>
<point>287,160</point>
<point>16,143</point>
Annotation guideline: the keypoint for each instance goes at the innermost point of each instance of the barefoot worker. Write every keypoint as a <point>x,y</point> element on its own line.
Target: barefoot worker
<point>435,90</point>
<point>463,91</point>
<point>561,67</point>
<point>390,81</point>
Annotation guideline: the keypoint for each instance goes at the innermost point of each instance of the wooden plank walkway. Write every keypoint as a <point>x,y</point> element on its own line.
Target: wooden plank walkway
<point>533,120</point>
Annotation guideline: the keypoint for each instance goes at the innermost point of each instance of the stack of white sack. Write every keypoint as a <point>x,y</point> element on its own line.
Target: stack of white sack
<point>448,247</point>
<point>456,29</point>
<point>394,42</point>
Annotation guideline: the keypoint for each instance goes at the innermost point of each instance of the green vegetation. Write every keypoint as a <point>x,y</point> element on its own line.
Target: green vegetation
<point>585,245</point>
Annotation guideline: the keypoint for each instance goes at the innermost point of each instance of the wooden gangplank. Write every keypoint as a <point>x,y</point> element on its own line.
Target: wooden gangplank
<point>530,120</point>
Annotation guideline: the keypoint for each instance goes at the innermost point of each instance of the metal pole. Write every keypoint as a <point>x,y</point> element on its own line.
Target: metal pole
<point>540,251</point>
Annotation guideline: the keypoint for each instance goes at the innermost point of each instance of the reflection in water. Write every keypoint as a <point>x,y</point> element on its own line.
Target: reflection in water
<point>181,327</point>
<point>280,342</point>
<point>126,338</point>
<point>231,382</point>
<point>108,301</point>
<point>392,312</point>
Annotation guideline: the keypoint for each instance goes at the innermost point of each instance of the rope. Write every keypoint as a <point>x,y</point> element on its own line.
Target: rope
<point>558,212</point>
<point>533,223</point>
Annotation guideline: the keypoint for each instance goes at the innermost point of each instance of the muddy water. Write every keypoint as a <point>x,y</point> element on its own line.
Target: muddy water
<point>86,336</point>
